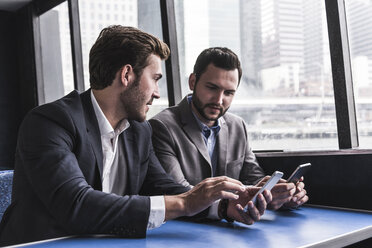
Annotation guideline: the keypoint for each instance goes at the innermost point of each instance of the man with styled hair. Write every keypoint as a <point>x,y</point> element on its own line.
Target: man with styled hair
<point>85,163</point>
<point>198,138</point>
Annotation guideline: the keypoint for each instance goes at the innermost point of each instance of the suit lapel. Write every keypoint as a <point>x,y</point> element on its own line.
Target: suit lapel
<point>222,145</point>
<point>131,155</point>
<point>190,126</point>
<point>92,129</point>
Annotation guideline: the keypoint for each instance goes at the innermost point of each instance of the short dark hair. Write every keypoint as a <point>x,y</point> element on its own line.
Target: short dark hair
<point>221,57</point>
<point>117,46</point>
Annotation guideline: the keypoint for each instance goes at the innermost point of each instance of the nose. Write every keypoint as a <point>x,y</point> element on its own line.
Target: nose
<point>219,97</point>
<point>156,93</point>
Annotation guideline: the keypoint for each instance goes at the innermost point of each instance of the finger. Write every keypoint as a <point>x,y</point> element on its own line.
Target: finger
<point>246,214</point>
<point>229,179</point>
<point>253,211</point>
<point>298,202</point>
<point>227,186</point>
<point>300,186</point>
<point>299,196</point>
<point>226,190</point>
<point>303,200</point>
<point>211,181</point>
<point>283,187</point>
<point>293,191</point>
<point>261,204</point>
<point>268,196</point>
<point>262,181</point>
<point>244,217</point>
<point>282,196</point>
<point>226,195</point>
<point>274,205</point>
<point>266,178</point>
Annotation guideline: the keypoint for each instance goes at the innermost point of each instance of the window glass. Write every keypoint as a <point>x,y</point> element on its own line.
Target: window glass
<point>143,14</point>
<point>359,24</point>
<point>57,69</point>
<point>286,93</point>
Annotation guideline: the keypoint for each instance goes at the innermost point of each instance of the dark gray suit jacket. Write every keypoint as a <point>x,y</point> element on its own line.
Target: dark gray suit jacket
<point>57,178</point>
<point>180,147</point>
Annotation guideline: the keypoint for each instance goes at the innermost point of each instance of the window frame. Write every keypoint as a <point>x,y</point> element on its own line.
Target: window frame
<point>39,8</point>
<point>347,130</point>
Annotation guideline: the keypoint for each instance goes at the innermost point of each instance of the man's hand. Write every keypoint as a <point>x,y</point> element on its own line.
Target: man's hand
<point>282,193</point>
<point>202,196</point>
<point>299,197</point>
<point>286,194</point>
<point>236,210</point>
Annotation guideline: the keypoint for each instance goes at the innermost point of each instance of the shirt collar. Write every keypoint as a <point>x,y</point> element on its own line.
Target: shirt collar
<point>104,125</point>
<point>215,128</point>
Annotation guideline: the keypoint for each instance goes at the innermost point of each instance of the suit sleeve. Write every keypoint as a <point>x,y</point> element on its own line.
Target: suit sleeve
<point>158,182</point>
<point>251,172</point>
<point>165,149</point>
<point>47,142</point>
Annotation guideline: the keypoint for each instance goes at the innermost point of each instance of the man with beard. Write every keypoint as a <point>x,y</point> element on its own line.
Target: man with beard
<point>198,139</point>
<point>85,163</point>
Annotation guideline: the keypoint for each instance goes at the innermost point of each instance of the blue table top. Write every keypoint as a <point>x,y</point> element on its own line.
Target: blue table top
<point>301,227</point>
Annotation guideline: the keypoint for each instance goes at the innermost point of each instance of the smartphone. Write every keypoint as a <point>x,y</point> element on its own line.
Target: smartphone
<point>298,173</point>
<point>268,185</point>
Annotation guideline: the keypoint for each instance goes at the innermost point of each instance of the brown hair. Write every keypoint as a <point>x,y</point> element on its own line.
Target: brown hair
<point>117,46</point>
<point>221,57</point>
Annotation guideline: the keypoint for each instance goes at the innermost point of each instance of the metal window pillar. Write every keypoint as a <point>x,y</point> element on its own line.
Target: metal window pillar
<point>27,26</point>
<point>341,73</point>
<point>76,49</point>
<point>172,67</point>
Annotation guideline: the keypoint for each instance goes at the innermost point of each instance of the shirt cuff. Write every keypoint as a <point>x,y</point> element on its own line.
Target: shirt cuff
<point>157,212</point>
<point>213,211</point>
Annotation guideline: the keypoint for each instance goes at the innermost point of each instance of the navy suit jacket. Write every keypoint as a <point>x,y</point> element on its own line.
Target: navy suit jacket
<point>57,177</point>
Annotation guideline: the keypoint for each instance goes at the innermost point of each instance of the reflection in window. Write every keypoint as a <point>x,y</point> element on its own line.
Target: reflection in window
<point>359,22</point>
<point>143,14</point>
<point>286,92</point>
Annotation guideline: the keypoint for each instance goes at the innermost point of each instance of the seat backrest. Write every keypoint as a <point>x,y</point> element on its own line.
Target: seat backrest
<point>6,180</point>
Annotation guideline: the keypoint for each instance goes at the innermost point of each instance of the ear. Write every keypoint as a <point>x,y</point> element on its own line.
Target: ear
<point>192,80</point>
<point>126,75</point>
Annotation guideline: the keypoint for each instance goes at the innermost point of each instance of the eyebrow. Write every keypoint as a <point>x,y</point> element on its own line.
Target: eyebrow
<point>215,85</point>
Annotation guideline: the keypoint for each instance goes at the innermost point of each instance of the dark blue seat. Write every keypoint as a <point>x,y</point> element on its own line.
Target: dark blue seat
<point>6,180</point>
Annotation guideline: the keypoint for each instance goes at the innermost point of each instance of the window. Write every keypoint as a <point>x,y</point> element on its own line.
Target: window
<point>359,22</point>
<point>143,14</point>
<point>58,78</point>
<point>286,92</point>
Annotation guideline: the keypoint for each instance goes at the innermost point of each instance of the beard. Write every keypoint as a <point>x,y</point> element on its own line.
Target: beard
<point>200,107</point>
<point>134,102</point>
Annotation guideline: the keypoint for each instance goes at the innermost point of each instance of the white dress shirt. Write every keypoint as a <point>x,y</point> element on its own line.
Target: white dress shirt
<point>114,175</point>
